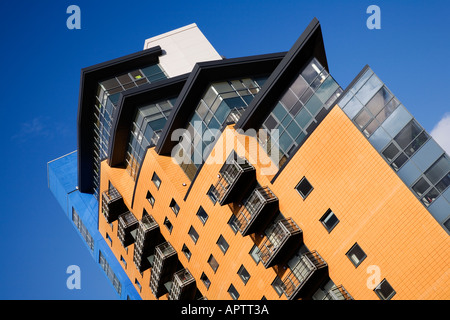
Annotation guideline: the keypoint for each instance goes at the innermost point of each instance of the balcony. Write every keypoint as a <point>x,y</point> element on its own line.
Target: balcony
<point>164,266</point>
<point>183,286</point>
<point>112,204</point>
<point>337,293</point>
<point>284,238</point>
<point>127,228</point>
<point>148,236</point>
<point>236,176</point>
<point>305,276</point>
<point>256,212</point>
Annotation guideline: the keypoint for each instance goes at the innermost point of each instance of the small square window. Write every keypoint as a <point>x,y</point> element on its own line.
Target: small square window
<point>150,198</point>
<point>243,274</point>
<point>233,292</point>
<point>223,244</point>
<point>212,194</point>
<point>168,224</point>
<point>304,188</point>
<point>329,220</point>
<point>356,255</point>
<point>232,223</point>
<point>202,215</point>
<point>213,263</point>
<point>384,290</point>
<point>156,180</point>
<point>205,280</point>
<point>254,253</point>
<point>186,252</point>
<point>193,234</point>
<point>277,285</point>
<point>174,206</point>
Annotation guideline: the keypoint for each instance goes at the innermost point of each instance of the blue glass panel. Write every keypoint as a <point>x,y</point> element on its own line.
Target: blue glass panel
<point>279,111</point>
<point>314,104</point>
<point>327,88</point>
<point>303,118</point>
<point>368,90</point>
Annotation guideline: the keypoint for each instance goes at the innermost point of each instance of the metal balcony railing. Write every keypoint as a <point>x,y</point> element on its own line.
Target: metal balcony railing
<point>277,239</point>
<point>235,172</point>
<point>261,202</point>
<point>126,231</point>
<point>337,293</point>
<point>146,240</point>
<point>112,204</point>
<point>307,265</point>
<point>183,285</point>
<point>164,266</point>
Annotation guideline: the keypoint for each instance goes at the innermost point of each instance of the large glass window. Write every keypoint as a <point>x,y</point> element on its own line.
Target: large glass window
<point>222,103</point>
<point>311,92</point>
<point>108,92</point>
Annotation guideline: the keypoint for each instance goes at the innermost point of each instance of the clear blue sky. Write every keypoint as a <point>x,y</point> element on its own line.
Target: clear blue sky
<point>40,73</point>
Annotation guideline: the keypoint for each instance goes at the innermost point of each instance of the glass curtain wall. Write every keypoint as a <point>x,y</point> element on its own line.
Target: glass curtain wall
<point>108,92</point>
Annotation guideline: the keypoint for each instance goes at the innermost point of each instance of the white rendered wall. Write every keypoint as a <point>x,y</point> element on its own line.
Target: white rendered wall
<point>182,48</point>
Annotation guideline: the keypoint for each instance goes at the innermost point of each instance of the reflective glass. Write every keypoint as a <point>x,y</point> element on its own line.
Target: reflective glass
<point>421,186</point>
<point>363,118</point>
<point>353,107</point>
<point>407,134</point>
<point>368,90</point>
<point>379,100</point>
<point>391,151</point>
<point>438,170</point>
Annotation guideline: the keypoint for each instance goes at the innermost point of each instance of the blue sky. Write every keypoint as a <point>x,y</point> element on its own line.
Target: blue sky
<point>41,61</point>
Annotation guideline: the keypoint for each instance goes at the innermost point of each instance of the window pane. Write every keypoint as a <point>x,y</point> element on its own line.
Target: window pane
<point>356,255</point>
<point>303,118</point>
<point>288,99</point>
<point>379,100</point>
<point>444,183</point>
<point>401,159</point>
<point>363,118</point>
<point>391,151</point>
<point>299,86</point>
<point>384,290</point>
<point>439,169</point>
<point>408,134</point>
<point>430,197</point>
<point>304,188</point>
<point>421,186</point>
<point>369,89</point>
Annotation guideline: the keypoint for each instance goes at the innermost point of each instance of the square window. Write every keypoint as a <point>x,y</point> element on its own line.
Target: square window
<point>202,215</point>
<point>384,290</point>
<point>175,207</point>
<point>212,194</point>
<point>205,280</point>
<point>150,198</point>
<point>233,223</point>
<point>304,188</point>
<point>254,253</point>
<point>193,234</point>
<point>329,220</point>
<point>156,180</point>
<point>277,285</point>
<point>223,245</point>
<point>186,252</point>
<point>213,263</point>
<point>243,274</point>
<point>356,255</point>
<point>233,292</point>
<point>168,224</point>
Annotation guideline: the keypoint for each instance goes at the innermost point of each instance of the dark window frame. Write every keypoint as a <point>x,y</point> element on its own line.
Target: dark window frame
<point>378,290</point>
<point>356,246</point>
<point>304,196</point>
<point>156,180</point>
<point>326,215</point>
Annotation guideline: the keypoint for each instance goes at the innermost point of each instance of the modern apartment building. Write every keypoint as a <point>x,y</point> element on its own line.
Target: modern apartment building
<point>201,177</point>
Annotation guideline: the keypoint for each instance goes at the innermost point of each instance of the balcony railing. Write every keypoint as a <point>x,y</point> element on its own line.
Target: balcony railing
<point>183,286</point>
<point>337,293</point>
<point>146,240</point>
<point>309,264</point>
<point>235,177</point>
<point>112,204</point>
<point>285,237</point>
<point>164,266</point>
<point>259,208</point>
<point>127,228</point>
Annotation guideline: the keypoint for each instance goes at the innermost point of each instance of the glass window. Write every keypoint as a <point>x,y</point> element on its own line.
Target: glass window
<point>391,151</point>
<point>384,290</point>
<point>202,215</point>
<point>299,86</point>
<point>416,144</point>
<point>314,104</point>
<point>233,292</point>
<point>430,197</point>
<point>363,118</point>
<point>353,107</point>
<point>356,255</point>
<point>150,198</point>
<point>186,252</point>
<point>288,99</point>
<point>168,224</point>
<point>174,206</point>
<point>326,90</point>
<point>329,220</point>
<point>205,280</point>
<point>212,194</point>
<point>303,118</point>
<point>254,253</point>
<point>277,285</point>
<point>420,187</point>
<point>243,274</point>
<point>399,161</point>
<point>232,222</point>
<point>193,234</point>
<point>379,100</point>
<point>304,188</point>
<point>438,170</point>
<point>369,89</point>
<point>213,263</point>
<point>156,180</point>
<point>444,183</point>
<point>223,244</point>
<point>408,134</point>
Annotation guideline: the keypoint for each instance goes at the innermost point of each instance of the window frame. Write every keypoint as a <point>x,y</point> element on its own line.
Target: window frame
<point>377,290</point>
<point>174,205</point>
<point>234,295</point>
<point>243,269</point>
<point>200,217</point>
<point>156,180</point>
<point>195,237</point>
<point>304,196</point>
<point>325,216</point>
<point>222,244</point>
<point>356,245</point>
